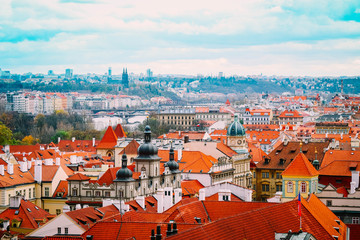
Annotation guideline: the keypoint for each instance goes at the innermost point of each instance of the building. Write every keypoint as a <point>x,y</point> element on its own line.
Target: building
<point>181,118</point>
<point>299,177</point>
<point>268,170</point>
<point>332,128</point>
<point>68,73</point>
<point>257,116</point>
<point>290,116</point>
<point>23,216</point>
<point>143,178</point>
<point>236,140</point>
<point>125,78</point>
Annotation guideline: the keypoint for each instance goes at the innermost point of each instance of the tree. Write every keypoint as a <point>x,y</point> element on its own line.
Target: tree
<point>60,134</point>
<point>29,140</point>
<point>5,134</point>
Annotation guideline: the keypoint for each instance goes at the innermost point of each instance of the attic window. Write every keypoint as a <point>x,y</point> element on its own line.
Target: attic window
<point>67,145</point>
<point>21,175</point>
<point>29,210</point>
<point>50,153</point>
<point>78,145</point>
<point>16,212</point>
<point>36,207</point>
<point>11,177</point>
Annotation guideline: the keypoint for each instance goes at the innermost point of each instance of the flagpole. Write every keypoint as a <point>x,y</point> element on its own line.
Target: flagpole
<point>299,208</point>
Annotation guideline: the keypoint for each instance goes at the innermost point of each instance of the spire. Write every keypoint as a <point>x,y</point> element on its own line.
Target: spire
<point>147,134</point>
<point>301,146</point>
<point>124,160</point>
<point>172,153</point>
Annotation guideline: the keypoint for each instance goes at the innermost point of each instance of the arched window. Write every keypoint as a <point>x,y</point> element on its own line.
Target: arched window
<point>143,169</point>
<point>303,187</point>
<point>290,187</point>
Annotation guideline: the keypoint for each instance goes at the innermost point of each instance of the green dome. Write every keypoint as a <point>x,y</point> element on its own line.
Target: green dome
<point>236,128</point>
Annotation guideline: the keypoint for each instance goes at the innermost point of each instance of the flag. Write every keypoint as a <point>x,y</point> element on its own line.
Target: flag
<point>299,205</point>
<point>198,125</point>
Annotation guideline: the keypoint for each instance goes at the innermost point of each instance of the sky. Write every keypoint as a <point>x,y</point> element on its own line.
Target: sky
<point>242,37</point>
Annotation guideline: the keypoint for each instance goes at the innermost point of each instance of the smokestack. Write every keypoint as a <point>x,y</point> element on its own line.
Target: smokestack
<point>23,166</point>
<point>202,194</point>
<point>73,139</point>
<point>178,195</point>
<point>10,168</point>
<point>141,201</point>
<point>160,200</point>
<point>93,142</point>
<point>158,233</point>
<point>57,161</point>
<point>2,171</point>
<point>168,199</point>
<point>38,171</point>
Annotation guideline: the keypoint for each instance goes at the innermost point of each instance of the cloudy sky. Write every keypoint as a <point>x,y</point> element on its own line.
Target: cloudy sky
<point>272,37</point>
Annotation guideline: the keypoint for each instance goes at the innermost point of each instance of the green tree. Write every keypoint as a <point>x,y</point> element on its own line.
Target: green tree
<point>62,134</point>
<point>5,135</point>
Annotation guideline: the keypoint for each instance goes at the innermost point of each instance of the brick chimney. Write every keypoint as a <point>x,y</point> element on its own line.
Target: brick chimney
<point>10,168</point>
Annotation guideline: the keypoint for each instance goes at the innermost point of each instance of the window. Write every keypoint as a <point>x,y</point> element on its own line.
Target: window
<point>290,187</point>
<point>29,193</point>
<point>33,192</point>
<point>225,198</point>
<point>47,192</point>
<point>265,174</point>
<point>328,203</point>
<point>97,194</point>
<point>303,187</point>
<point>278,188</point>
<point>66,230</point>
<point>74,192</point>
<point>59,230</point>
<point>58,211</point>
<point>265,187</point>
<point>47,210</point>
<point>278,175</point>
<point>107,194</point>
<point>355,220</point>
<point>88,193</point>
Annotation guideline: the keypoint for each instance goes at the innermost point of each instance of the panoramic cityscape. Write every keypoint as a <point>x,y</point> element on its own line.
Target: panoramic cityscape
<point>179,120</point>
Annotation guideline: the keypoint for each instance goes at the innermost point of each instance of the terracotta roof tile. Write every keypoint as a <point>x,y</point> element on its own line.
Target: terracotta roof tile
<point>62,188</point>
<point>77,145</point>
<point>119,131</point>
<point>300,166</point>
<point>290,114</point>
<point>131,148</point>
<point>225,149</point>
<point>340,155</point>
<point>48,172</point>
<point>109,139</point>
<point>191,187</point>
<point>78,177</point>
<point>18,178</point>
<point>196,162</point>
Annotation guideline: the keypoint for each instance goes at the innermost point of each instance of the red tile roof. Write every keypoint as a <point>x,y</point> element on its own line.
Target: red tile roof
<point>290,114</point>
<point>78,177</point>
<point>61,188</point>
<point>29,213</point>
<point>119,131</point>
<point>340,155</point>
<point>15,179</point>
<point>196,161</point>
<point>48,172</point>
<point>131,148</point>
<point>278,218</point>
<point>191,134</point>
<point>109,139</point>
<point>339,168</point>
<point>225,149</point>
<point>191,187</point>
<point>77,145</point>
<point>108,177</point>
<point>300,166</point>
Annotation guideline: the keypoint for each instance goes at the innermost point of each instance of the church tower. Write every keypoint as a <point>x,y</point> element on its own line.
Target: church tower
<point>125,78</point>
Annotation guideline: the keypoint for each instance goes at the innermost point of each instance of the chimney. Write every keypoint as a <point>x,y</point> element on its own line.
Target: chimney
<point>93,142</point>
<point>7,149</point>
<point>179,152</point>
<point>73,139</point>
<point>59,139</point>
<point>355,178</point>
<point>178,195</point>
<point>186,139</point>
<point>202,194</point>
<point>66,208</point>
<point>158,233</point>
<point>23,166</point>
<point>78,159</point>
<point>38,171</point>
<point>152,237</point>
<point>160,200</point>
<point>2,170</point>
<point>10,168</point>
<point>168,199</point>
<point>57,161</point>
<point>48,162</point>
<point>175,230</point>
<point>352,187</point>
<point>141,201</point>
<point>15,201</point>
<point>28,165</point>
<point>78,206</point>
<point>73,159</point>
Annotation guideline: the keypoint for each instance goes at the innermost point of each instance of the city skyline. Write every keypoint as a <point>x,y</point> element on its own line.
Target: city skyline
<point>235,37</point>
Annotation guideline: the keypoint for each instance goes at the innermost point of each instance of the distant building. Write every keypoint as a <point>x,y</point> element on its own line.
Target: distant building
<point>68,73</point>
<point>182,118</point>
<point>109,71</point>
<point>125,78</point>
<point>149,73</point>
<point>50,72</point>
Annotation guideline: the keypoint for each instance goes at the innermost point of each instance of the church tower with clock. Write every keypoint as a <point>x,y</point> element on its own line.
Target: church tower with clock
<point>236,140</point>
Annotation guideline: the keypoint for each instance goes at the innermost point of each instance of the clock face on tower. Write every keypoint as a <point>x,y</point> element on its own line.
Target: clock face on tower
<point>239,142</point>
